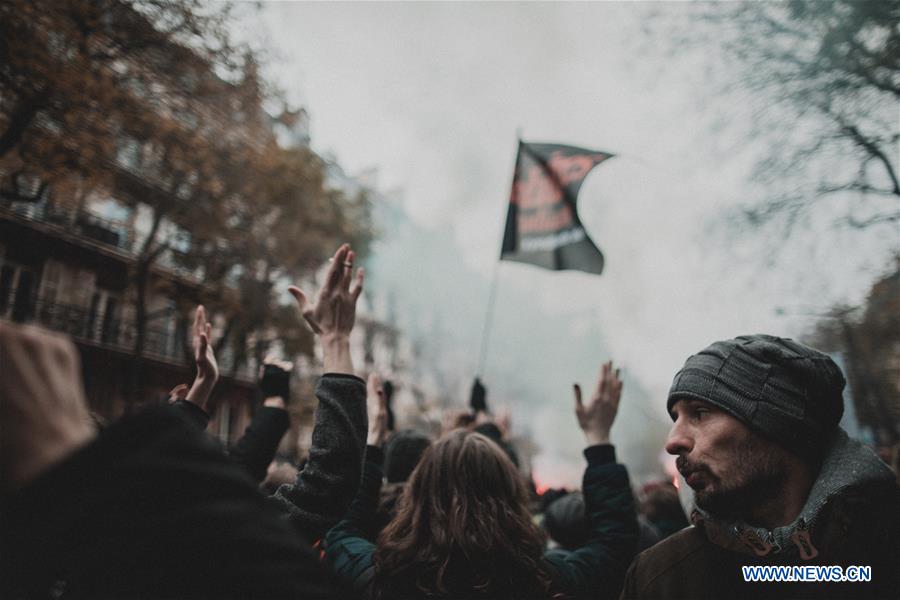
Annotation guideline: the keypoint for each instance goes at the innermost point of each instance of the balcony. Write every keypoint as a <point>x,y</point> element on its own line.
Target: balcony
<point>77,221</point>
<point>93,328</point>
<point>166,342</point>
<point>100,233</point>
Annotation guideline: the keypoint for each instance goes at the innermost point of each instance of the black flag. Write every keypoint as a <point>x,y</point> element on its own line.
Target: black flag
<point>542,226</point>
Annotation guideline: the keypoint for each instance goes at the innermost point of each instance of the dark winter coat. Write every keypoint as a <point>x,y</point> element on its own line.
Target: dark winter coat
<point>152,509</point>
<point>595,570</point>
<point>256,448</point>
<point>327,484</point>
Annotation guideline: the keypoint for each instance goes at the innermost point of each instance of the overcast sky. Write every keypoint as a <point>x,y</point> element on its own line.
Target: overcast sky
<point>432,95</point>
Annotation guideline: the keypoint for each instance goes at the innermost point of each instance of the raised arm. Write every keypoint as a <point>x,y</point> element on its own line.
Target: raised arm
<point>597,569</point>
<point>326,486</point>
<point>597,416</point>
<point>257,447</point>
<point>192,403</point>
<point>332,315</point>
<point>349,545</point>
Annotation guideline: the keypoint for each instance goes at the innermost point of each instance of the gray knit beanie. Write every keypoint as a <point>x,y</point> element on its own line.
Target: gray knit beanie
<point>788,392</point>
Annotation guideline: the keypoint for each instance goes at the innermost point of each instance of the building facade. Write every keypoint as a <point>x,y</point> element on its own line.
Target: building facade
<point>70,269</point>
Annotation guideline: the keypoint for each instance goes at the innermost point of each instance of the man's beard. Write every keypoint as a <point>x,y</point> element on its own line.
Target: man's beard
<point>757,475</point>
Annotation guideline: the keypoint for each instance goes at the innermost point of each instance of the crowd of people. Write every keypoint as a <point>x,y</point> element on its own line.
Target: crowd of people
<point>149,506</point>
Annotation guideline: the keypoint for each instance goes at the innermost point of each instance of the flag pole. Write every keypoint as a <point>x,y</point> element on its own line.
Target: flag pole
<point>485,334</point>
<point>492,296</point>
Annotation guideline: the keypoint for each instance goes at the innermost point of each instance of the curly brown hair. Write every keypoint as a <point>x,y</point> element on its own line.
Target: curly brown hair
<point>462,529</point>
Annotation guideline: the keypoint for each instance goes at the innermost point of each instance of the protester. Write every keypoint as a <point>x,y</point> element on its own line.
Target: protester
<point>255,449</point>
<point>456,419</point>
<point>776,481</point>
<point>492,431</point>
<point>549,497</point>
<point>566,522</point>
<point>402,452</point>
<point>463,529</point>
<point>486,424</point>
<point>150,507</point>
<point>660,504</point>
<point>324,488</point>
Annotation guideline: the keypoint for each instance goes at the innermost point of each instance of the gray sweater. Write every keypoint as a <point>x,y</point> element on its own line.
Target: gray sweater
<point>324,489</point>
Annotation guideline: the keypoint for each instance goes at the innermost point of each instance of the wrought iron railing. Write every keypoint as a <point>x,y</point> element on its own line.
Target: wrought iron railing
<point>85,325</point>
<point>166,342</point>
<point>110,233</point>
<point>78,221</point>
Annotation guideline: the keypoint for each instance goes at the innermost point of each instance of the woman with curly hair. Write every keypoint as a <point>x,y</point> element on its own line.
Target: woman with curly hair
<point>463,528</point>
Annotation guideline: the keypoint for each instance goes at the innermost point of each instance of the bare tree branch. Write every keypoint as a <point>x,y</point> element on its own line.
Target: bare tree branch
<point>876,220</point>
<point>855,187</point>
<point>870,146</point>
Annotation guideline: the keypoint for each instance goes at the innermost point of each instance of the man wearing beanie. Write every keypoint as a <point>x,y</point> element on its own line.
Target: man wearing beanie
<point>776,483</point>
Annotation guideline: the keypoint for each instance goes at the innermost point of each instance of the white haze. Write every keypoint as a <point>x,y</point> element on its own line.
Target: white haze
<point>432,96</point>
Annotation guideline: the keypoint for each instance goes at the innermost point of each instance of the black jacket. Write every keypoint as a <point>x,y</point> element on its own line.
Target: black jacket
<point>256,448</point>
<point>152,509</point>
<point>323,490</point>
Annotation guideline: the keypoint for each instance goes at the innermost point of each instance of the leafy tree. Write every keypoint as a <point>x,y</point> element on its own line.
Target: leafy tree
<point>74,73</point>
<point>289,221</point>
<point>187,173</point>
<point>151,102</point>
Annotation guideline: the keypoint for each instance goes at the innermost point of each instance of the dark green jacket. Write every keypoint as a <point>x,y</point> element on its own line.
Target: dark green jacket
<point>595,570</point>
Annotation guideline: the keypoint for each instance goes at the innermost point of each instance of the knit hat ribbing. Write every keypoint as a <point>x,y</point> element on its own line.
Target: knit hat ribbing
<point>784,390</point>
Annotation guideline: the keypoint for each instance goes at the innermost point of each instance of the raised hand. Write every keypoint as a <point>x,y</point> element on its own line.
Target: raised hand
<point>207,367</point>
<point>334,310</point>
<point>205,358</point>
<point>42,406</point>
<point>333,313</point>
<point>179,392</point>
<point>597,416</point>
<point>376,405</point>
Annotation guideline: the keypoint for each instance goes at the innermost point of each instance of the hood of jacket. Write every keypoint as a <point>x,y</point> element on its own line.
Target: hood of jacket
<point>847,464</point>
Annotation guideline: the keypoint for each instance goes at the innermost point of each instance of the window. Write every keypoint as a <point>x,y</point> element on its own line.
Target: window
<point>16,287</point>
<point>102,324</point>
